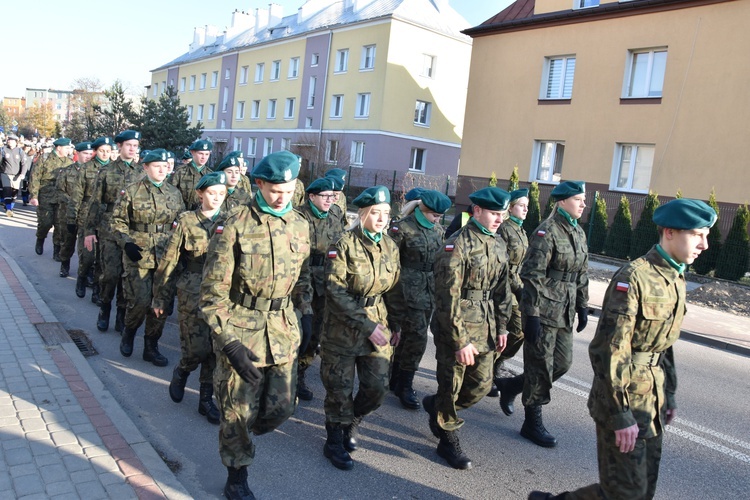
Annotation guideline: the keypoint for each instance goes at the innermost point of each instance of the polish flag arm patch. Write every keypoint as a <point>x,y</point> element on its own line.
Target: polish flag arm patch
<point>219,230</point>
<point>174,224</point>
<point>449,247</point>
<point>541,232</point>
<point>333,253</point>
<point>122,192</point>
<point>622,287</point>
<point>394,229</point>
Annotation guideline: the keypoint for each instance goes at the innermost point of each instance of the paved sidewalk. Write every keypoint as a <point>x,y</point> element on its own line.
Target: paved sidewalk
<point>62,435</point>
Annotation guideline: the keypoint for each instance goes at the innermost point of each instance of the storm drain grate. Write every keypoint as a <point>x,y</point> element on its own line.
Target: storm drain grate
<point>83,343</point>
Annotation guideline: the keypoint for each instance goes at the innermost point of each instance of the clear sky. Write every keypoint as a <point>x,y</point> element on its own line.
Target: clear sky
<point>57,42</point>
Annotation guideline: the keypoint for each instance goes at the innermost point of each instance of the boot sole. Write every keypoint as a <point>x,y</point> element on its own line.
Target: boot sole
<point>214,421</point>
<point>543,444</point>
<point>342,466</point>
<point>154,361</point>
<point>465,466</point>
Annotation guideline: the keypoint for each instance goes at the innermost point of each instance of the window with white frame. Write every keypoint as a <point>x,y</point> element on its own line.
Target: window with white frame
<point>308,122</point>
<point>223,124</point>
<point>645,75</point>
<point>271,111</point>
<point>337,106</point>
<point>286,144</point>
<point>244,74</point>
<point>428,66</point>
<point>156,89</point>
<point>211,111</point>
<point>163,87</point>
<point>275,70</point>
<point>190,113</point>
<point>293,68</point>
<point>225,99</point>
<point>260,68</point>
<point>548,160</point>
<point>214,79</point>
<point>267,146</point>
<point>240,110</point>
<point>311,92</point>
<point>332,151</point>
<point>227,74</point>
<point>255,110</point>
<point>192,83</point>
<point>252,146</point>
<point>557,79</point>
<point>202,84</point>
<point>632,167</point>
<point>289,108</point>
<point>237,144</point>
<point>314,59</point>
<point>363,105</point>
<point>342,61</point>
<point>582,4</point>
<point>358,153</point>
<point>368,57</point>
<point>200,112</point>
<point>418,160</point>
<point>422,113</point>
<point>171,82</point>
<point>182,84</point>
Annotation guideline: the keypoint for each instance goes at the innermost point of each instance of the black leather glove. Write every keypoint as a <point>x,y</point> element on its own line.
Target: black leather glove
<point>133,251</point>
<point>307,329</point>
<point>532,329</point>
<point>583,318</point>
<point>72,228</point>
<point>241,359</point>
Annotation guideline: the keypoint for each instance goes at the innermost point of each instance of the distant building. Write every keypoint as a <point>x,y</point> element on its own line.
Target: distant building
<point>14,106</point>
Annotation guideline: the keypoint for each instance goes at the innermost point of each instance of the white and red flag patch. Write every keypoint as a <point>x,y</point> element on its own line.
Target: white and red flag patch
<point>622,286</point>
<point>122,192</point>
<point>333,253</point>
<point>394,229</point>
<point>449,247</point>
<point>220,230</point>
<point>174,224</point>
<point>541,232</point>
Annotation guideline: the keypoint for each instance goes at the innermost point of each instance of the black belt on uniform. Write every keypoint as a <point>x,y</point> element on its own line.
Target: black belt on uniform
<point>194,266</point>
<point>317,260</point>
<point>558,275</point>
<point>150,228</point>
<point>469,294</point>
<point>367,301</point>
<point>419,266</point>
<point>258,303</point>
<point>646,358</point>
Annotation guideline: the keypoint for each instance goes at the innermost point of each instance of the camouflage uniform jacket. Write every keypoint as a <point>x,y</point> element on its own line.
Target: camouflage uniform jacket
<point>145,215</point>
<point>185,251</point>
<point>245,184</point>
<point>323,234</point>
<point>45,174</point>
<point>65,182</point>
<point>185,178</point>
<point>236,198</point>
<point>111,179</point>
<point>299,194</point>
<point>517,243</point>
<point>81,189</point>
<point>554,273</point>
<point>642,312</point>
<point>358,268</point>
<point>341,202</point>
<point>471,260</point>
<point>258,255</point>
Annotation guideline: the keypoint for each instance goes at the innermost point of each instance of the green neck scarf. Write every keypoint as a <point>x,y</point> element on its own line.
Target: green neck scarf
<point>128,163</point>
<point>375,237</point>
<point>102,163</point>
<point>230,190</point>
<point>516,220</point>
<point>680,268</point>
<point>573,222</point>
<point>422,220</point>
<point>199,169</point>
<point>481,227</point>
<point>265,207</point>
<point>317,213</point>
<point>157,184</point>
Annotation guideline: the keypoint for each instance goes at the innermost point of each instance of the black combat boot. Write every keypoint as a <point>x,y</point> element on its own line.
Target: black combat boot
<point>303,392</point>
<point>126,343</point>
<point>81,287</point>
<point>177,385</point>
<point>428,403</point>
<point>393,380</point>
<point>39,247</point>
<point>102,322</point>
<point>533,428</point>
<point>493,392</point>
<point>405,392</point>
<point>206,404</point>
<point>56,253</point>
<point>509,388</point>
<point>90,277</point>
<point>236,487</point>
<point>351,432</point>
<point>334,450</point>
<point>120,319</point>
<point>64,268</point>
<point>543,495</point>
<point>95,294</point>
<point>450,449</point>
<point>151,352</point>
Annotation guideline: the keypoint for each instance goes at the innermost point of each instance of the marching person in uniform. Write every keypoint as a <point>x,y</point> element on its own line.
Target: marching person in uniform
<point>555,290</point>
<point>472,309</point>
<point>254,275</point>
<point>185,178</point>
<point>340,175</point>
<point>235,195</point>
<point>632,396</point>
<point>361,267</point>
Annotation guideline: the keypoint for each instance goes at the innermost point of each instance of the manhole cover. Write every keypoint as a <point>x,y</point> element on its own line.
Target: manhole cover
<point>83,343</point>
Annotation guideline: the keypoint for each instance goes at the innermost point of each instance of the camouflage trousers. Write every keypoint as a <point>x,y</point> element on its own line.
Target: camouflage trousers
<point>459,386</point>
<point>306,358</point>
<point>138,287</point>
<point>545,361</point>
<point>45,215</point>
<point>86,259</point>
<point>195,338</point>
<point>413,341</point>
<point>515,339</point>
<point>110,279</point>
<point>247,409</point>
<point>337,372</point>
<point>67,240</point>
<point>623,475</point>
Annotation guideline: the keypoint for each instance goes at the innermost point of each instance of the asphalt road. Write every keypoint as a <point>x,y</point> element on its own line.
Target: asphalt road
<point>706,452</point>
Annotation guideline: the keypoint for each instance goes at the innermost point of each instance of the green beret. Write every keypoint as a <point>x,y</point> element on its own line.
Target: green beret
<point>62,141</point>
<point>102,141</point>
<point>322,184</point>
<point>170,155</point>
<point>372,196</point>
<point>85,146</point>
<point>338,184</point>
<point>187,156</point>
<point>277,168</point>
<point>201,145</point>
<point>229,161</point>
<point>127,135</point>
<point>414,194</point>
<point>236,154</point>
<point>143,153</point>
<point>435,200</point>
<point>566,189</point>
<point>154,155</point>
<point>491,198</point>
<point>211,179</point>
<point>684,213</point>
<point>339,173</point>
<point>519,193</point>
